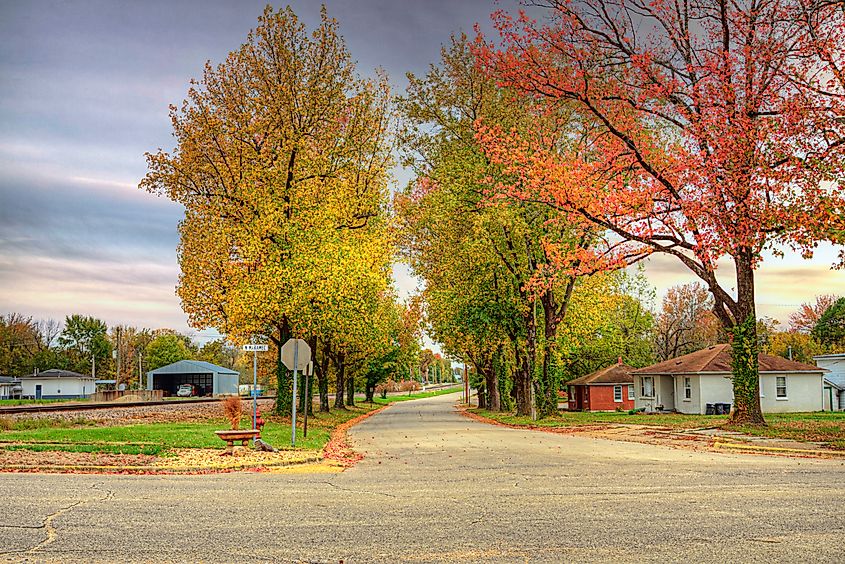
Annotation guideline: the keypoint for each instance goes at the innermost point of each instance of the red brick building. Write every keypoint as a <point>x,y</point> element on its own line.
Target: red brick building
<point>607,389</point>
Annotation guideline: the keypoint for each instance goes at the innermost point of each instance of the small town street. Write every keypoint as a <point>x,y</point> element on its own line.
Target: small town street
<point>436,486</point>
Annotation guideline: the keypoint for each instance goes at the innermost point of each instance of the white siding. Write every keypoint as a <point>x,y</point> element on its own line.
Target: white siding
<point>715,388</point>
<point>803,393</point>
<point>692,405</point>
<point>836,365</point>
<point>59,387</point>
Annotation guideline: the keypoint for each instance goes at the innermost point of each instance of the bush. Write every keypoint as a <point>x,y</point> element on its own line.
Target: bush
<point>233,409</point>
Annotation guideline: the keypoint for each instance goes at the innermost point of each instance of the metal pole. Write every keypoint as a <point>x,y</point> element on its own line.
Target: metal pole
<point>294,399</point>
<point>466,384</point>
<point>254,388</point>
<point>308,398</point>
<point>140,374</point>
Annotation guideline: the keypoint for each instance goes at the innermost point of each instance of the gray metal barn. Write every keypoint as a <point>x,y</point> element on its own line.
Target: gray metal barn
<point>210,378</point>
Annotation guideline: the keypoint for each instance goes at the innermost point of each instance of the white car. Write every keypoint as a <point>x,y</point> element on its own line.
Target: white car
<point>185,390</point>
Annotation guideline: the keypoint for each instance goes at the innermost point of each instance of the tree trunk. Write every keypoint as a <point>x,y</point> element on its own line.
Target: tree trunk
<point>492,384</point>
<point>284,383</point>
<point>547,398</point>
<point>350,391</point>
<point>323,382</point>
<point>525,364</point>
<point>744,348</point>
<point>340,381</point>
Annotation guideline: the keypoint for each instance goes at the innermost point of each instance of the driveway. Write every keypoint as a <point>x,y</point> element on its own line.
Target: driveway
<point>436,486</point>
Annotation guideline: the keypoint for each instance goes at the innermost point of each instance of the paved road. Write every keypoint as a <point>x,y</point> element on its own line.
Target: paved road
<point>439,487</point>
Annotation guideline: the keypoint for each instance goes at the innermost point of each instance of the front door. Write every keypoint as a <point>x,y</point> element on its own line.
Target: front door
<point>37,391</point>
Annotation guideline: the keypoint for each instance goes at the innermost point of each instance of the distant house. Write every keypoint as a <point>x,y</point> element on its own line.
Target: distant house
<point>834,380</point>
<point>57,384</point>
<point>10,387</point>
<point>209,378</point>
<point>607,389</point>
<point>690,383</point>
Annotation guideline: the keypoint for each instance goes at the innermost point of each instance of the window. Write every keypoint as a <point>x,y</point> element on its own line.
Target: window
<point>647,387</point>
<point>687,388</point>
<point>630,391</point>
<point>617,393</point>
<point>780,387</point>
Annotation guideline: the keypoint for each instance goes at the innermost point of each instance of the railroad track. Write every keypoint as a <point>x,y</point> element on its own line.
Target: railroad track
<point>60,406</point>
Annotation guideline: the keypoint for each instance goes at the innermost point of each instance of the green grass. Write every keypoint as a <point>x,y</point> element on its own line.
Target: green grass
<point>577,418</point>
<point>36,401</point>
<point>160,438</point>
<point>824,427</point>
<point>415,395</point>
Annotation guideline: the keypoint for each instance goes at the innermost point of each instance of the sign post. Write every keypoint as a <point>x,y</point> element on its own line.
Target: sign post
<point>309,370</point>
<point>296,354</point>
<point>255,348</point>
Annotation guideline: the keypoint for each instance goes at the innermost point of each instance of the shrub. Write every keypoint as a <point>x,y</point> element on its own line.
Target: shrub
<point>233,409</point>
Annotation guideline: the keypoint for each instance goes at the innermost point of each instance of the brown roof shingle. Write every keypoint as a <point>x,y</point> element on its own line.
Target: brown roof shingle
<point>613,374</point>
<point>718,359</point>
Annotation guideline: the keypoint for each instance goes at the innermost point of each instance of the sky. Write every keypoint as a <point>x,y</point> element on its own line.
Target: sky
<point>84,92</point>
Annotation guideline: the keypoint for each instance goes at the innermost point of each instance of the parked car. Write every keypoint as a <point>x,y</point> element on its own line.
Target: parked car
<point>186,390</point>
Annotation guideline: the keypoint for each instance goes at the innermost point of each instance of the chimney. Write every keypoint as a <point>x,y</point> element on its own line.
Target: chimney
<point>619,361</point>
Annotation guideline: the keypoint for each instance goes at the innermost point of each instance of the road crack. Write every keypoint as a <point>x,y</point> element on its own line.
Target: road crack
<point>341,488</point>
<point>47,523</point>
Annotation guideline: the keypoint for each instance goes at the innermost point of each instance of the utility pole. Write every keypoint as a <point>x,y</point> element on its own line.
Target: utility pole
<point>117,376</point>
<point>140,373</point>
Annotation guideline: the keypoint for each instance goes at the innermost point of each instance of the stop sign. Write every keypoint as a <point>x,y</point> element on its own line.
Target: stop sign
<point>303,354</point>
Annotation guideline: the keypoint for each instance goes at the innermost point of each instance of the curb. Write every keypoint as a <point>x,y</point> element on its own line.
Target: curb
<point>779,450</point>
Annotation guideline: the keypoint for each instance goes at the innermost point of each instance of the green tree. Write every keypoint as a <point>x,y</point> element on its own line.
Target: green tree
<point>166,349</point>
<point>830,328</point>
<point>86,341</point>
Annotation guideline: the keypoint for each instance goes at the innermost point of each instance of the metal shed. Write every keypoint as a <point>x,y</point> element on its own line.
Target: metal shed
<point>209,378</point>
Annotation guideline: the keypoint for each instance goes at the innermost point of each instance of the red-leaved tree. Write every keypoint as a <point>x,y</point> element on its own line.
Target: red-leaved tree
<point>706,130</point>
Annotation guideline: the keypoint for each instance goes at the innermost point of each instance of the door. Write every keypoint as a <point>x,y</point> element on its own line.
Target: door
<point>37,391</point>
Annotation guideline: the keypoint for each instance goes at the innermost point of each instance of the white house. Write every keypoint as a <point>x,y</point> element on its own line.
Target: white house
<point>689,383</point>
<point>834,398</point>
<point>57,384</point>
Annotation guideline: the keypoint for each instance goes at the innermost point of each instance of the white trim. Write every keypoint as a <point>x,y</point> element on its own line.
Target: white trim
<point>621,396</point>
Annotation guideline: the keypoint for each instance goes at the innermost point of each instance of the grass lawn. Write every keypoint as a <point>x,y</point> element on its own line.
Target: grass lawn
<point>576,418</point>
<point>415,395</point>
<point>160,438</point>
<point>36,401</point>
<point>826,427</point>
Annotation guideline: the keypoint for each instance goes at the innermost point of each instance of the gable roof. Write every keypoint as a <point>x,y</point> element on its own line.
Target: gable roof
<point>718,359</point>
<point>192,367</point>
<point>613,374</point>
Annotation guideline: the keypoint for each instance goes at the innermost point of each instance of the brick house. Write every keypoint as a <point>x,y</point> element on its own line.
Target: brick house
<point>608,389</point>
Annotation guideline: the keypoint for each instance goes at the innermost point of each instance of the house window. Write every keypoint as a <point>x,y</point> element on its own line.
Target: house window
<point>630,391</point>
<point>617,393</point>
<point>780,390</point>
<point>687,388</point>
<point>647,387</point>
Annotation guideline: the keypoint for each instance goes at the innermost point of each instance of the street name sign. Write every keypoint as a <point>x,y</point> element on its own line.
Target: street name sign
<point>255,348</point>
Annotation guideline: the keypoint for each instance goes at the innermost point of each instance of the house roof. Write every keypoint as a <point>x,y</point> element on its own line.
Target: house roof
<point>614,374</point>
<point>836,385</point>
<point>192,367</point>
<point>832,355</point>
<point>56,373</point>
<point>718,359</point>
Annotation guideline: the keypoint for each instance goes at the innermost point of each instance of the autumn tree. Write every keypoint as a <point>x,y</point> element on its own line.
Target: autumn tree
<point>686,322</point>
<point>808,314</point>
<point>455,223</point>
<point>281,150</point>
<point>709,132</point>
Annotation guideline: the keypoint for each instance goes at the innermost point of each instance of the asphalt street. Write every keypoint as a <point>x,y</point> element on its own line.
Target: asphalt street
<point>436,486</point>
